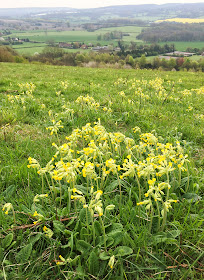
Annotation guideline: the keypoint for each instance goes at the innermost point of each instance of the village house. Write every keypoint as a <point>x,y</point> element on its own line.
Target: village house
<point>117,49</point>
<point>65,45</point>
<point>100,49</point>
<point>84,46</point>
<point>178,53</point>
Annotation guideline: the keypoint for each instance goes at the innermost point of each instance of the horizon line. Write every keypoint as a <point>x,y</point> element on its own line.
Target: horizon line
<point>64,7</point>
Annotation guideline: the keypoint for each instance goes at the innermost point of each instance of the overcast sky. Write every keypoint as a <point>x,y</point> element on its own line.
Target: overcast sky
<point>83,3</point>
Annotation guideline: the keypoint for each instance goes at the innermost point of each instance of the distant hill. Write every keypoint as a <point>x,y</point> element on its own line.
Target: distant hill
<point>194,10</point>
<point>26,12</point>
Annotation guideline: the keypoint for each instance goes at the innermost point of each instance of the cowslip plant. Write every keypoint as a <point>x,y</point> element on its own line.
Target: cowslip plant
<point>76,184</point>
<point>87,102</point>
<point>93,157</point>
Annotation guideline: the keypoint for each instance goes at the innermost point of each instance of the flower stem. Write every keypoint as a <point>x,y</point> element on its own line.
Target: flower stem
<point>164,219</point>
<point>94,234</point>
<point>120,201</point>
<point>104,232</point>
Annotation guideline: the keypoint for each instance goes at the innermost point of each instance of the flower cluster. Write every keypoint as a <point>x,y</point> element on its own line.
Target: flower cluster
<point>27,88</point>
<point>87,101</point>
<point>92,156</point>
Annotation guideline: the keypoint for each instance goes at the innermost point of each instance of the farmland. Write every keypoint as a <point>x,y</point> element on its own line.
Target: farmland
<point>43,26</point>
<point>41,38</point>
<point>184,20</point>
<point>101,173</point>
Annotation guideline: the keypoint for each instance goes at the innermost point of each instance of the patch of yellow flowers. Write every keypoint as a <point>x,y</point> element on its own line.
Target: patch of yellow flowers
<point>93,156</point>
<point>87,101</point>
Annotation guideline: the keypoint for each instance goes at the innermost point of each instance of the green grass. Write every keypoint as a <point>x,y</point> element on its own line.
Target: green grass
<point>194,57</point>
<point>33,48</point>
<point>29,48</point>
<point>28,45</point>
<point>126,29</point>
<point>63,36</point>
<point>182,46</point>
<point>155,102</point>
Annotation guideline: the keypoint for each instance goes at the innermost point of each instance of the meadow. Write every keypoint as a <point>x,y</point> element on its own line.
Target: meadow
<point>101,173</point>
<point>29,49</point>
<point>182,46</point>
<point>59,36</point>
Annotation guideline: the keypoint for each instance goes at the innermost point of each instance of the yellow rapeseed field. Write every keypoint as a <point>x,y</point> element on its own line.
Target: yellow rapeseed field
<point>183,20</point>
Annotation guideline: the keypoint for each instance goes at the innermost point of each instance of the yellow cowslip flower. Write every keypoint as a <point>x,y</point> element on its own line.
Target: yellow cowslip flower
<point>136,129</point>
<point>77,191</point>
<point>35,214</point>
<point>111,261</point>
<point>33,163</point>
<point>48,232</point>
<point>36,198</point>
<point>63,261</point>
<point>55,127</point>
<point>7,207</point>
<point>39,217</point>
<point>61,258</point>
<point>44,228</point>
<point>149,138</point>
<point>58,93</point>
<point>87,101</point>
<point>110,163</point>
<point>167,205</point>
<point>151,182</point>
<point>147,202</point>
<point>81,198</point>
<point>89,170</point>
<point>99,210</point>
<point>129,167</point>
<point>110,207</point>
<point>98,194</point>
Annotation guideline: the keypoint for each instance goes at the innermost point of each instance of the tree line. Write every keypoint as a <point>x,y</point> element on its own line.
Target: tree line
<point>57,56</point>
<point>172,31</point>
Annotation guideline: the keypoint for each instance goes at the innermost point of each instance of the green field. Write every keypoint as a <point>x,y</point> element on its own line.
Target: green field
<point>194,58</point>
<point>62,36</point>
<point>133,31</point>
<point>182,46</point>
<point>32,48</point>
<point>101,173</point>
<point>28,48</point>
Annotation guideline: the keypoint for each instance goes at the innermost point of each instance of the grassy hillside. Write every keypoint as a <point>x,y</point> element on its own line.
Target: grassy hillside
<point>114,182</point>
